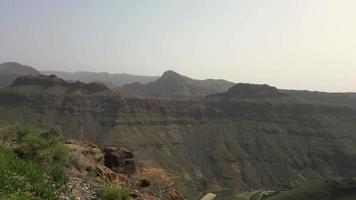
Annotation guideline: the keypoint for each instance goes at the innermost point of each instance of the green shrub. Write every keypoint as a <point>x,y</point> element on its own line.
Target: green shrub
<point>111,191</point>
<point>23,179</point>
<point>31,164</point>
<point>39,145</point>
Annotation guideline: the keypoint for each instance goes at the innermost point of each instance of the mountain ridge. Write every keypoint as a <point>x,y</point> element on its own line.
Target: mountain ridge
<point>228,144</point>
<point>111,80</point>
<point>174,85</point>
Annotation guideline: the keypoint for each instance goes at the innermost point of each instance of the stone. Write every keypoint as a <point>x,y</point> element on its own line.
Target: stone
<point>209,196</point>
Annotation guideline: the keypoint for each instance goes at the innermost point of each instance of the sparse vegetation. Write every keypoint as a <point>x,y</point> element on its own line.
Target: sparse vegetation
<point>111,191</point>
<point>39,145</point>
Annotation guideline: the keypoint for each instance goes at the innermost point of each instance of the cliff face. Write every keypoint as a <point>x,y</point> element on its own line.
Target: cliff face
<point>219,142</point>
<point>241,144</point>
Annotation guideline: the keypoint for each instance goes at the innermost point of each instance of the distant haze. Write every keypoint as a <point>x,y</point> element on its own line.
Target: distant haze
<point>297,44</point>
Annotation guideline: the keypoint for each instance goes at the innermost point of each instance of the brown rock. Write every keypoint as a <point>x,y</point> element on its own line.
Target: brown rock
<point>119,160</point>
<point>87,158</point>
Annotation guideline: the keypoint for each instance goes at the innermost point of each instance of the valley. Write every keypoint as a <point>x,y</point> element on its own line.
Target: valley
<point>249,138</point>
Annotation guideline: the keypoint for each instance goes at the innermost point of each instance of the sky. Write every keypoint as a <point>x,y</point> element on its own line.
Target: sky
<point>290,44</point>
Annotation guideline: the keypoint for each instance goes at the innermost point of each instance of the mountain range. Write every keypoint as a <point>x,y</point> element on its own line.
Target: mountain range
<point>246,137</point>
<point>111,80</point>
<point>174,85</point>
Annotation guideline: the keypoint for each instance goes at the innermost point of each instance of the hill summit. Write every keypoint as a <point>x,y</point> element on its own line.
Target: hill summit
<point>174,85</point>
<point>9,71</point>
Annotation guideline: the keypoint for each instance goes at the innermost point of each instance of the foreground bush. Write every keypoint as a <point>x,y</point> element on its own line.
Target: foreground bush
<point>23,179</point>
<point>111,191</point>
<point>31,164</point>
<point>39,145</point>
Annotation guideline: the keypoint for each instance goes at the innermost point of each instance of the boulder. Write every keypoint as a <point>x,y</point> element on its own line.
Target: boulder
<point>209,196</point>
<point>119,160</point>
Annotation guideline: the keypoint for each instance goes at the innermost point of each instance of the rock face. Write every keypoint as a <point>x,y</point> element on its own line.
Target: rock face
<point>174,85</point>
<point>10,71</point>
<point>119,160</point>
<point>263,140</point>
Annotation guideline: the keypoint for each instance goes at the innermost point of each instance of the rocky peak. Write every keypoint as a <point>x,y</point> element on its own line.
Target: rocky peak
<point>174,85</point>
<point>170,73</point>
<point>171,76</point>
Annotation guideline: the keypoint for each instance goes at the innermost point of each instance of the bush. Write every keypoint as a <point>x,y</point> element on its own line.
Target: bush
<point>111,191</point>
<point>39,145</point>
<point>31,164</point>
<point>23,179</point>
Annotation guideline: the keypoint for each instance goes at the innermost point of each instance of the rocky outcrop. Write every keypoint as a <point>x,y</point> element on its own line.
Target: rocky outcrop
<point>116,164</point>
<point>52,80</point>
<point>119,160</point>
<point>90,166</point>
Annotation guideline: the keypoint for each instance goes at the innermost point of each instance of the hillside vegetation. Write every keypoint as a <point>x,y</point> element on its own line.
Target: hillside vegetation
<point>32,164</point>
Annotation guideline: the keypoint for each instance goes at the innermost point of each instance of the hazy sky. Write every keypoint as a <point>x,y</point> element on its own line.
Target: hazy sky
<point>301,44</point>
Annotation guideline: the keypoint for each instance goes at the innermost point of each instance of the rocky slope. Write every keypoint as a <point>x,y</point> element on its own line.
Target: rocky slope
<point>11,70</point>
<point>251,137</point>
<point>174,85</point>
<point>91,165</point>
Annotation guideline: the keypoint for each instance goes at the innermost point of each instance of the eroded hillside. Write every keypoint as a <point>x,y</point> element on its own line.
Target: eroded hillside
<point>235,141</point>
